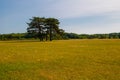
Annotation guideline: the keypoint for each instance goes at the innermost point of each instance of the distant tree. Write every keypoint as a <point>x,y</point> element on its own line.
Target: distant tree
<point>36,27</point>
<point>43,27</point>
<point>52,26</point>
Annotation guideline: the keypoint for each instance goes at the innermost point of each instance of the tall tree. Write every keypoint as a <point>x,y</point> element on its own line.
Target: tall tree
<point>44,27</point>
<point>36,26</point>
<point>53,26</point>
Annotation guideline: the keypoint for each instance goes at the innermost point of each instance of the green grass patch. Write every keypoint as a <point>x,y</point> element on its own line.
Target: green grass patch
<point>60,60</point>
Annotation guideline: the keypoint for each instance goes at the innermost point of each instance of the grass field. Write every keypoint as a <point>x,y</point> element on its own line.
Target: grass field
<point>60,60</point>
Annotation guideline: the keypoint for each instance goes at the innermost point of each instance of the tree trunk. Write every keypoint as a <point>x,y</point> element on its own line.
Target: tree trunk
<point>50,33</point>
<point>40,35</point>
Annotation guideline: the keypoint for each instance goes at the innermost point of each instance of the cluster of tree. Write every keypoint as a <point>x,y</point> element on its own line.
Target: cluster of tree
<point>92,36</point>
<point>44,28</point>
<point>25,36</point>
<point>38,28</point>
<point>48,29</point>
<point>22,36</point>
<point>13,36</point>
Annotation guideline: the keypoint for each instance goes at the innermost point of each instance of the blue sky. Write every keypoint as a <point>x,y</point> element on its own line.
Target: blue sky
<point>78,16</point>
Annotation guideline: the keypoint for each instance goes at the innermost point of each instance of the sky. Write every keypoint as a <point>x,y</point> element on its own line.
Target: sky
<point>76,16</point>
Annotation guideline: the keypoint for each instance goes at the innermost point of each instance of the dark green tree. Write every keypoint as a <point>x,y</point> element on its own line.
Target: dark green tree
<point>52,26</point>
<point>44,27</point>
<point>36,27</point>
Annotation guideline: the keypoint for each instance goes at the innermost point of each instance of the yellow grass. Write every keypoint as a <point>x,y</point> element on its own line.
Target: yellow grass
<point>60,60</point>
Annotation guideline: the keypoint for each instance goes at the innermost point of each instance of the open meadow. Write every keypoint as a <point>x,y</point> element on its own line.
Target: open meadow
<point>60,60</point>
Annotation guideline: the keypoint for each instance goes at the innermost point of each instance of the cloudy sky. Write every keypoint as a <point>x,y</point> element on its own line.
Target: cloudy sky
<point>78,16</point>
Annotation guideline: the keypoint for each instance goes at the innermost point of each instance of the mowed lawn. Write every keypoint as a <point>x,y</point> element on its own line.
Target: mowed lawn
<point>60,60</point>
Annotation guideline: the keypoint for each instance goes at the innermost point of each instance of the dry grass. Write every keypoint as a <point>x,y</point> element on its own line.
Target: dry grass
<point>60,60</point>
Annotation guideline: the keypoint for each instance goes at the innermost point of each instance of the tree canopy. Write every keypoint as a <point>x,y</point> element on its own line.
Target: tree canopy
<point>44,28</point>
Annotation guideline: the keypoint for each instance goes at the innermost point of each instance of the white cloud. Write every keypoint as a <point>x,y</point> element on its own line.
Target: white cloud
<point>94,28</point>
<point>78,8</point>
<point>110,9</point>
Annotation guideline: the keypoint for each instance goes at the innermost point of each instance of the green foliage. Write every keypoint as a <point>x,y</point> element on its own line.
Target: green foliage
<point>44,27</point>
<point>13,36</point>
<point>60,35</point>
<point>92,36</point>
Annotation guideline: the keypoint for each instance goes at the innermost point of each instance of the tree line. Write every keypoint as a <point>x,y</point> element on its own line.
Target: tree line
<point>92,36</point>
<point>24,36</point>
<point>38,28</point>
<point>46,29</point>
